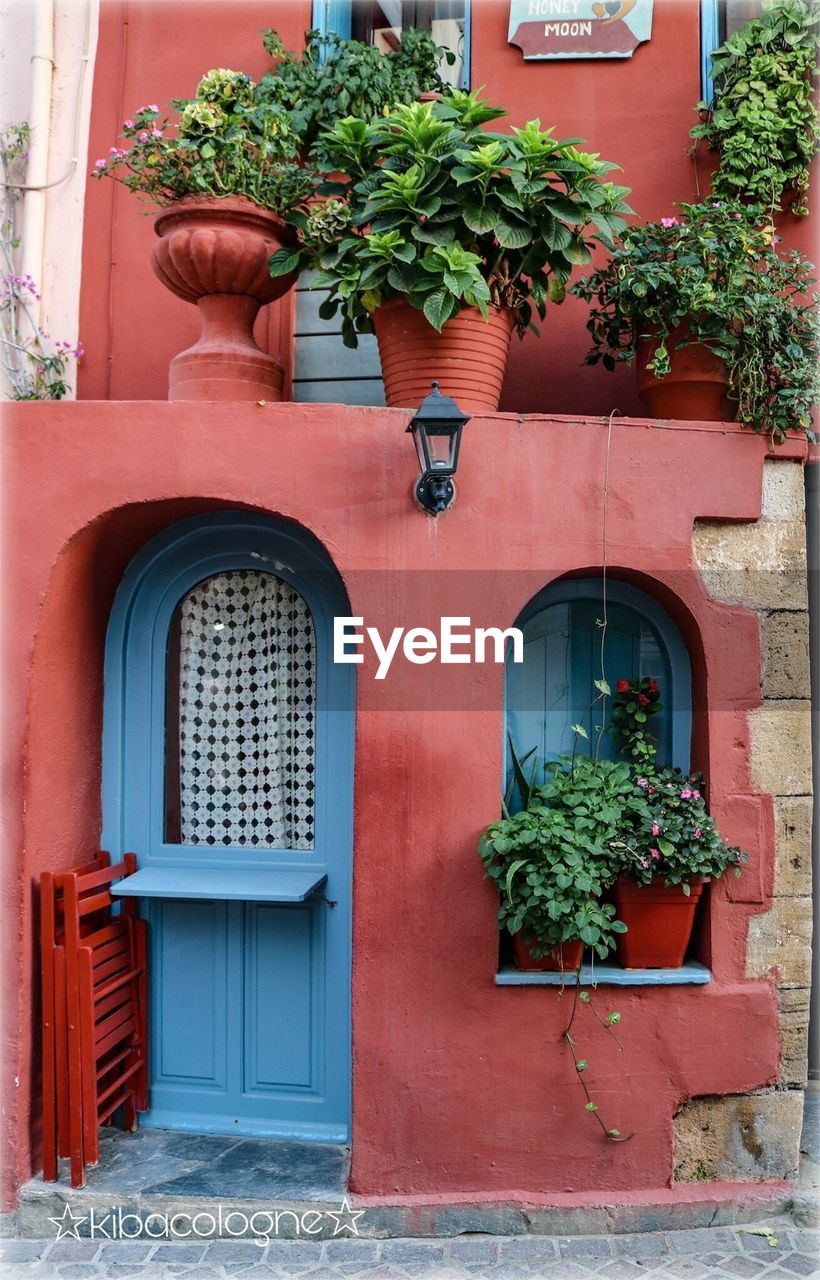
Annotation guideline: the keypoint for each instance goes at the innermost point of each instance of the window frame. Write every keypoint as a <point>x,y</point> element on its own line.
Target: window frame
<point>678,699</point>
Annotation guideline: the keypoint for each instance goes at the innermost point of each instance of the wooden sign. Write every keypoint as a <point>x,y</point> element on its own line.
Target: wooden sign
<point>579,28</point>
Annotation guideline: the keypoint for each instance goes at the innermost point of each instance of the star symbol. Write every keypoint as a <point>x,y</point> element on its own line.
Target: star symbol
<point>345,1218</point>
<point>68,1227</point>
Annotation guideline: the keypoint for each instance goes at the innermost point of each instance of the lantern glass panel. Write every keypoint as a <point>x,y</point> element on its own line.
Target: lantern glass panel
<point>441,442</point>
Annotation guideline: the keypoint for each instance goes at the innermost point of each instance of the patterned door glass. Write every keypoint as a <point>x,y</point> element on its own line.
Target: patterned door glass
<point>241,716</point>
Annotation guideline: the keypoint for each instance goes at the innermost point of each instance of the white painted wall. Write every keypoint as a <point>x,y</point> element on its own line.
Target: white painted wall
<point>53,221</point>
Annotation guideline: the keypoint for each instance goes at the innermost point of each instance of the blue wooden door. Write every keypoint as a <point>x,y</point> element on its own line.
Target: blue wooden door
<point>228,747</point>
<point>554,687</point>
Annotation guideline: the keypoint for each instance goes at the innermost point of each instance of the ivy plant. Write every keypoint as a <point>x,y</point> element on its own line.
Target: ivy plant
<point>446,214</point>
<point>717,270</point>
<point>763,120</point>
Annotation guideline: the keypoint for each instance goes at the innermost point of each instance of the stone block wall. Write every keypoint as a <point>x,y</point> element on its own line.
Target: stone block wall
<point>763,567</point>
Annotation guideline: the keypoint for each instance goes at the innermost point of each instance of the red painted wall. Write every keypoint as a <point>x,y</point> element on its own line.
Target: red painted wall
<point>636,112</point>
<point>459,1086</point>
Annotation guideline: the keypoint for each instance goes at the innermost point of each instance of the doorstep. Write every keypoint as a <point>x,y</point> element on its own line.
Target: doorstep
<point>156,1172</point>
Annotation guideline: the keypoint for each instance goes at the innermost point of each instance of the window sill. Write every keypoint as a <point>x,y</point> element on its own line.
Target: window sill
<point>608,975</point>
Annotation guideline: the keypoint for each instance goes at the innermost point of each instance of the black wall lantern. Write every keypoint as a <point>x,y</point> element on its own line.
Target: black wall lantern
<point>436,430</point>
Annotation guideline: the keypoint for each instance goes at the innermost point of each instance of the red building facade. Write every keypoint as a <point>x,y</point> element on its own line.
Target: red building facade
<point>460,1090</point>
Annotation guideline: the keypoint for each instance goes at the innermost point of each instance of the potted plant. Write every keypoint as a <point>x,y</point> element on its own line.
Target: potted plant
<point>718,322</point>
<point>448,238</point>
<point>763,121</point>
<point>222,171</point>
<point>668,845</point>
<point>551,862</point>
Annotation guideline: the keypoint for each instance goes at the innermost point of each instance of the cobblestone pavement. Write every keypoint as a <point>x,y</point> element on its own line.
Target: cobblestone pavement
<point>780,1250</point>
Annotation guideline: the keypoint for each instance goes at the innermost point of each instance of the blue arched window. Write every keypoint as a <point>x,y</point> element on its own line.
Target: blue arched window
<point>554,686</point>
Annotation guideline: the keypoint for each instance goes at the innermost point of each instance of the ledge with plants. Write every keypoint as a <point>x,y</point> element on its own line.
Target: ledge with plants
<point>445,237</point>
<point>611,855</point>
<point>225,166</point>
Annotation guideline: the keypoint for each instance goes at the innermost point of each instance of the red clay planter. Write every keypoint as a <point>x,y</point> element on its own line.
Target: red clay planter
<point>566,955</point>
<point>468,358</point>
<point>694,390</point>
<point>658,919</point>
<point>215,253</point>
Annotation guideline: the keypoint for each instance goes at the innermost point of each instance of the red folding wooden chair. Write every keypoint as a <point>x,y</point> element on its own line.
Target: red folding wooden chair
<point>54,1047</point>
<point>106,1009</point>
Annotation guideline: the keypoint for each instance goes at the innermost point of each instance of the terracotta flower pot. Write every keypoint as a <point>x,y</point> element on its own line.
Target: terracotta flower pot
<point>468,358</point>
<point>215,253</point>
<point>659,920</point>
<point>694,390</point>
<point>566,956</point>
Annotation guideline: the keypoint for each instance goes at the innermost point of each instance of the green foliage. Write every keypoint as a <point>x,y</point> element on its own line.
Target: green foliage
<point>717,271</point>
<point>763,119</point>
<point>336,78</point>
<point>226,141</point>
<point>635,702</point>
<point>447,214</point>
<point>552,861</point>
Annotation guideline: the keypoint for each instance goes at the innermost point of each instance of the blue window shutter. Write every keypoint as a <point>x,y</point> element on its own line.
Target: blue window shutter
<point>709,41</point>
<point>333,15</point>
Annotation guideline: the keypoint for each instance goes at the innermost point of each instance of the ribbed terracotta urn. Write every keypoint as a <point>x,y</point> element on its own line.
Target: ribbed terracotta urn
<point>467,359</point>
<point>215,253</point>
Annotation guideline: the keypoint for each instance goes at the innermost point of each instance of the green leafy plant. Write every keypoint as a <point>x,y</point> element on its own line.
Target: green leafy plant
<point>446,214</point>
<point>335,78</point>
<point>763,120</point>
<point>228,140</point>
<point>714,275</point>
<point>552,860</point>
<point>636,700</point>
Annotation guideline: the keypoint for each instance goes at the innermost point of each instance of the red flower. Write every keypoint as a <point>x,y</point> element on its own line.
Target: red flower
<point>653,686</point>
<point>622,686</point>
<point>643,700</point>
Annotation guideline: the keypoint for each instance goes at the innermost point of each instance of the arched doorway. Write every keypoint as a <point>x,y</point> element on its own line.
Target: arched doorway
<point>228,770</point>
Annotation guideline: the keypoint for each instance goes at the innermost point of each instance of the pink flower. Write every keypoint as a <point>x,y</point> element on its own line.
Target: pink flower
<point>656,831</point>
<point>643,782</point>
<point>143,137</point>
<point>686,794</point>
<point>651,789</point>
<point>156,133</point>
<point>644,862</point>
<point>99,164</point>
<point>129,124</point>
<point>696,795</point>
<point>654,853</point>
<point>669,222</point>
<point>698,833</point>
<point>152,106</point>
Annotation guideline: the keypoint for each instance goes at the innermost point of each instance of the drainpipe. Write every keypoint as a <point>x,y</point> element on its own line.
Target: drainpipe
<point>34,211</point>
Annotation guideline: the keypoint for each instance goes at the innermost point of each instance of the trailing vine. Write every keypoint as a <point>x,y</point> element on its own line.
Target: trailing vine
<point>763,120</point>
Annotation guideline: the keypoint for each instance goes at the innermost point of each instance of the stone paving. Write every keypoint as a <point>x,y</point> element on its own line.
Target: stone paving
<point>775,1249</point>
